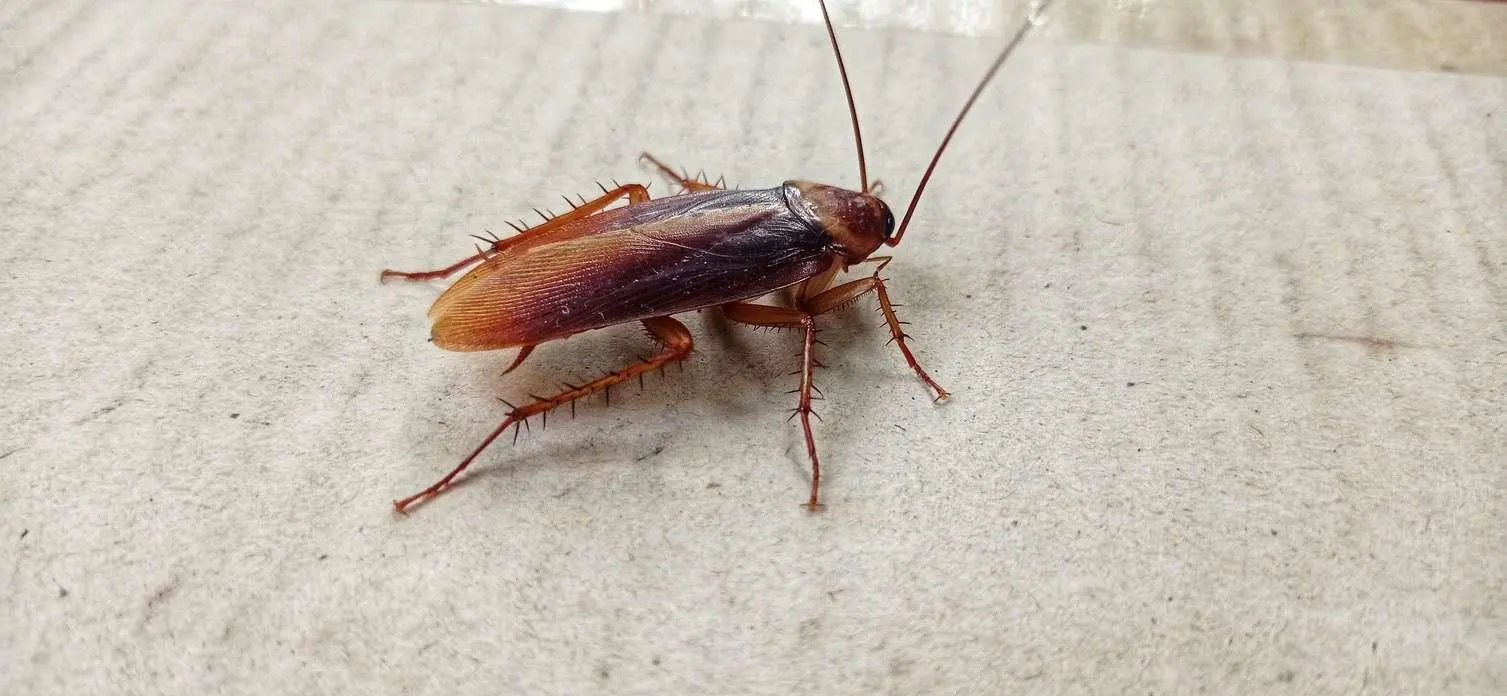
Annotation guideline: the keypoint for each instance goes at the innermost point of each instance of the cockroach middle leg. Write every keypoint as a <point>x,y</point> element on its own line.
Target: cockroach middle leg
<point>786,318</point>
<point>689,183</point>
<point>676,340</point>
<point>635,193</point>
<point>438,273</point>
<point>808,360</point>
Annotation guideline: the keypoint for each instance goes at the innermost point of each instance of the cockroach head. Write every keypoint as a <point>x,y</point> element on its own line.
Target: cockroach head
<point>858,223</point>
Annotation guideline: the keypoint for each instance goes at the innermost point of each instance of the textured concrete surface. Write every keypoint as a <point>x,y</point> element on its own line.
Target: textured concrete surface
<point>1226,336</point>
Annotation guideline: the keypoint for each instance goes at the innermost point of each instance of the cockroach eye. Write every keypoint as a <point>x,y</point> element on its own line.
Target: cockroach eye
<point>889,221</point>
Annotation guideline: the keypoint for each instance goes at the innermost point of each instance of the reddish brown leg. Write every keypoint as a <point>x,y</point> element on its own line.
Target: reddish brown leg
<point>813,286</point>
<point>677,345</point>
<point>808,360</point>
<point>846,293</point>
<point>635,193</point>
<point>781,317</point>
<point>522,355</point>
<point>437,273</point>
<point>688,183</point>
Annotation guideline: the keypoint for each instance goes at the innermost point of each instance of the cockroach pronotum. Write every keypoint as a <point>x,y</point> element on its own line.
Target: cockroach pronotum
<point>706,247</point>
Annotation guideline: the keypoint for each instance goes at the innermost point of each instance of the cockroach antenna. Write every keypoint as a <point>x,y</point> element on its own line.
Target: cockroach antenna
<point>1033,19</point>
<point>847,90</point>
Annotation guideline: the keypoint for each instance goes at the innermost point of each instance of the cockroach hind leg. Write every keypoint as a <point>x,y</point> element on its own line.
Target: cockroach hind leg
<point>635,194</point>
<point>675,342</point>
<point>687,182</point>
<point>435,274</point>
<point>439,486</point>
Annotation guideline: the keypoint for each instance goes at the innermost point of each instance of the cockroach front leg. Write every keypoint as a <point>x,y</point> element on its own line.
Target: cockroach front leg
<point>676,346</point>
<point>635,193</point>
<point>843,295</point>
<point>781,317</point>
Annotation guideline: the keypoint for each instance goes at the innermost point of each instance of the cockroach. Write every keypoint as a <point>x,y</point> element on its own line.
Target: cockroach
<point>705,247</point>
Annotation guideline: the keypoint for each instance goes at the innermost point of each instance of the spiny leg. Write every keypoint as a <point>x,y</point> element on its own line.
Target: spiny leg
<point>808,359</point>
<point>635,193</point>
<point>685,181</point>
<point>677,345</point>
<point>844,294</point>
<point>781,317</point>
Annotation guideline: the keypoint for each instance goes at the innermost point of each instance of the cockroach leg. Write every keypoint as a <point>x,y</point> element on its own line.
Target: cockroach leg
<point>813,286</point>
<point>899,336</point>
<point>522,355</point>
<point>766,316</point>
<point>676,346</point>
<point>785,318</point>
<point>432,275</point>
<point>808,359</point>
<point>690,184</point>
<point>845,294</point>
<point>635,193</point>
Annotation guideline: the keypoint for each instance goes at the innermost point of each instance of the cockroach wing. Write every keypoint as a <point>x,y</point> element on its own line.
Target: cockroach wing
<point>656,258</point>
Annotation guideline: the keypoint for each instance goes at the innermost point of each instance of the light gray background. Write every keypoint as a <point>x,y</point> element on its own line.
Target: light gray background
<point>1226,338</point>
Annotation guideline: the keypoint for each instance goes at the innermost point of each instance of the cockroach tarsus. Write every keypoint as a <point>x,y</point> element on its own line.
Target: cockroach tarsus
<point>596,265</point>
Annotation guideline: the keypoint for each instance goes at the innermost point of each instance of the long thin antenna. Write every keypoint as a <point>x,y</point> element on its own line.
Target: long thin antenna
<point>1031,19</point>
<point>863,169</point>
